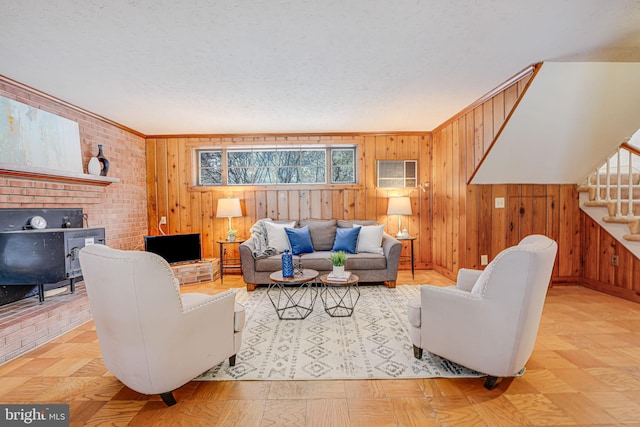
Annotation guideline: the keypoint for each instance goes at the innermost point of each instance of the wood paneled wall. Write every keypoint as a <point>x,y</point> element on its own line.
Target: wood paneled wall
<point>466,223</point>
<point>599,271</point>
<point>550,209</point>
<point>189,208</point>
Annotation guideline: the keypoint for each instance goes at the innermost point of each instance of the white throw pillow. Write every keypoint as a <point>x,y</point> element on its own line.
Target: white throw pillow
<point>370,239</point>
<point>276,235</point>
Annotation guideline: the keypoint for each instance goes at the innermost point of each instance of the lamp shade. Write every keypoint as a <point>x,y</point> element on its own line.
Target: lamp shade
<point>228,208</point>
<point>399,206</point>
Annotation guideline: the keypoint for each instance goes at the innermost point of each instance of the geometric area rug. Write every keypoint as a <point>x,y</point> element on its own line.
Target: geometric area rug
<point>373,343</point>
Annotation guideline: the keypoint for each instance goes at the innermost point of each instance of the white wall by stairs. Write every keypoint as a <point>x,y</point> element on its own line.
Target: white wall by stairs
<point>570,119</point>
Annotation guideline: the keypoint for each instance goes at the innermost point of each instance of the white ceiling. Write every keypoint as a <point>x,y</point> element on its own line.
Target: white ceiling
<point>203,66</point>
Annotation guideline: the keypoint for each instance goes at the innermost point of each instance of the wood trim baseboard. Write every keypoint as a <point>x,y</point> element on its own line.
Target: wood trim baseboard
<point>289,135</point>
<point>446,273</point>
<point>627,294</point>
<point>565,281</point>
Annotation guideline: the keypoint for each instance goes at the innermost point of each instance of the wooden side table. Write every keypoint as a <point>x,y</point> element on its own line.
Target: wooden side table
<point>293,297</point>
<point>409,258</point>
<point>228,263</point>
<point>339,298</point>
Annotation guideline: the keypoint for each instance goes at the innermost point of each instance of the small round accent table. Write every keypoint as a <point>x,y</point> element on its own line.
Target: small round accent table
<point>293,297</point>
<point>339,298</point>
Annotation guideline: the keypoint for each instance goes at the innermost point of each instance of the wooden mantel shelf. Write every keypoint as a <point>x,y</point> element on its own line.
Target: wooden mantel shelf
<point>11,170</point>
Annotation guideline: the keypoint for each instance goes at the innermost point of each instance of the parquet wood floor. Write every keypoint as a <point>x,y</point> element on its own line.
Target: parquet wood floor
<point>585,370</point>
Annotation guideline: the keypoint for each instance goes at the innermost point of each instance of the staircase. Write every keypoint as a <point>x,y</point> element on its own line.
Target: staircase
<point>615,186</point>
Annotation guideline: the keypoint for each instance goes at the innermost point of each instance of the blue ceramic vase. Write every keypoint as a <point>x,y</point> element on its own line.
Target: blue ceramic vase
<point>287,264</point>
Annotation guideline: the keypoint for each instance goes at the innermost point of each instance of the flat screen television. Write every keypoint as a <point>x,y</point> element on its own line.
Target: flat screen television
<point>175,247</point>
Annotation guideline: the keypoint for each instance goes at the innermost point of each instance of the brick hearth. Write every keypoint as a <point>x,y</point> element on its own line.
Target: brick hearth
<point>206,270</point>
<point>26,324</point>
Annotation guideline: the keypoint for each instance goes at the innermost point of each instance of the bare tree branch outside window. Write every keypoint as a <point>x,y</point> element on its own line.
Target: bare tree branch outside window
<point>276,166</point>
<point>210,166</point>
<point>343,167</point>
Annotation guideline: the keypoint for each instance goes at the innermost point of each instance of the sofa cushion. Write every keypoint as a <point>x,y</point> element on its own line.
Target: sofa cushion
<point>370,239</point>
<point>346,240</point>
<point>348,223</point>
<point>323,232</point>
<point>276,235</point>
<point>272,263</point>
<point>319,260</point>
<point>299,239</point>
<point>366,261</point>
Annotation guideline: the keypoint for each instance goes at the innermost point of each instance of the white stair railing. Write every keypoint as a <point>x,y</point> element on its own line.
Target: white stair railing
<point>630,171</point>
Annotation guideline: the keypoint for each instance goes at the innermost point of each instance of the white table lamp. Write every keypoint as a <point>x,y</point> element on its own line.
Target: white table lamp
<point>399,206</point>
<point>229,208</point>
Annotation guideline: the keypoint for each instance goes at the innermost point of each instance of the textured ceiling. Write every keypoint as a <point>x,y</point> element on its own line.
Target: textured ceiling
<point>202,66</point>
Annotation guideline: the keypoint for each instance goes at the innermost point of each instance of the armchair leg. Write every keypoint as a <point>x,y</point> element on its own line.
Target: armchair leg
<point>232,360</point>
<point>391,284</point>
<point>492,382</point>
<point>251,287</point>
<point>417,352</point>
<point>168,398</point>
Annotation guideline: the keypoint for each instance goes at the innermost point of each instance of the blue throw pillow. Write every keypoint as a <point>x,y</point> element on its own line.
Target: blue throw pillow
<point>300,240</point>
<point>346,240</point>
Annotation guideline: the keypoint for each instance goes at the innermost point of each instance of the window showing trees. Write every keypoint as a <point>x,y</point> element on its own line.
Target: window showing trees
<point>210,168</point>
<point>277,166</point>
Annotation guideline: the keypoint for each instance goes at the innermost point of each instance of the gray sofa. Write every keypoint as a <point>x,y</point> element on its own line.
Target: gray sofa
<point>369,267</point>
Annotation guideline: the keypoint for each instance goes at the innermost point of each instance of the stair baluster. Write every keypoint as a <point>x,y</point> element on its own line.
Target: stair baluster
<point>630,214</point>
<point>618,186</point>
<point>606,193</point>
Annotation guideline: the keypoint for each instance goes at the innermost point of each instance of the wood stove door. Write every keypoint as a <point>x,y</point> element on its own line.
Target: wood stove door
<point>75,241</point>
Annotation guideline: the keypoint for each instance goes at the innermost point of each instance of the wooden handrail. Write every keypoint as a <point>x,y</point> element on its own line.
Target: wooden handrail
<point>631,148</point>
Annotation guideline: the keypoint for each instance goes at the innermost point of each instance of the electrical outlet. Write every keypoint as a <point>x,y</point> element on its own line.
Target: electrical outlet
<point>499,202</point>
<point>484,259</point>
<point>614,260</point>
<point>163,220</point>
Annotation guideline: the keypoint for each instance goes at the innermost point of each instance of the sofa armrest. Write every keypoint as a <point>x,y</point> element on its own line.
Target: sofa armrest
<point>392,249</point>
<point>247,262</point>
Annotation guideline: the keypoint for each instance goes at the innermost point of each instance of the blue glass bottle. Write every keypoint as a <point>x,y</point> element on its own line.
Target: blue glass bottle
<point>287,264</point>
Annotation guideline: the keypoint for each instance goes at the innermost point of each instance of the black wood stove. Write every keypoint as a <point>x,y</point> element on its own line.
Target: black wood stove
<point>39,250</point>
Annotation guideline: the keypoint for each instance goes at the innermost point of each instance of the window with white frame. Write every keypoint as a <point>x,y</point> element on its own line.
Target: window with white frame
<point>277,165</point>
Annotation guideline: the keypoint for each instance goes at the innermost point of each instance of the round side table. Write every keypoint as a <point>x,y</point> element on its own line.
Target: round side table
<point>339,298</point>
<point>293,297</point>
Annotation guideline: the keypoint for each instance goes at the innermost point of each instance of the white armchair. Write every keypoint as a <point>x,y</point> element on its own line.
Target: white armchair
<point>153,338</point>
<point>488,321</point>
